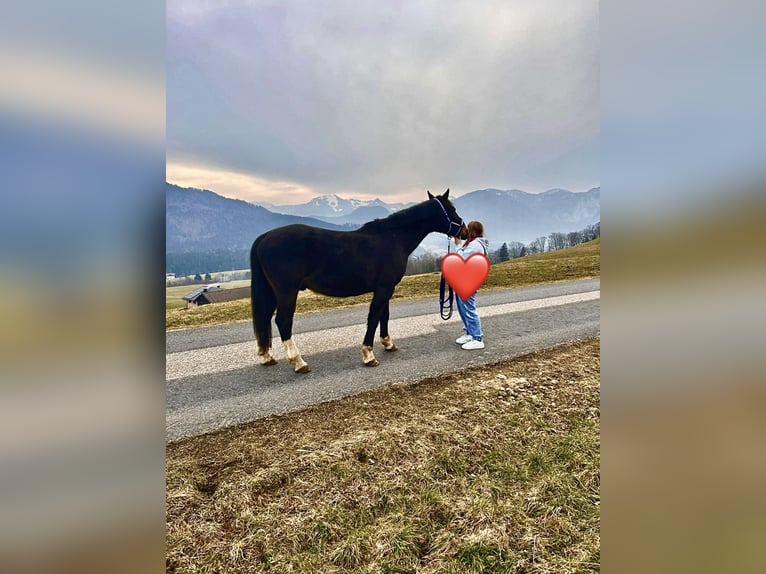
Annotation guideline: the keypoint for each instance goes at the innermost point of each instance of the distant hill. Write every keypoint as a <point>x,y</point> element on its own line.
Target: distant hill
<point>514,215</point>
<point>201,220</point>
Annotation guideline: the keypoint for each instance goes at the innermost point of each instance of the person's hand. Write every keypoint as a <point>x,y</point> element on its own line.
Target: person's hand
<point>457,240</point>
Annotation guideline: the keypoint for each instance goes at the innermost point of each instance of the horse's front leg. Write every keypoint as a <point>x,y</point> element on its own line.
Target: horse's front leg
<point>379,303</point>
<point>385,339</point>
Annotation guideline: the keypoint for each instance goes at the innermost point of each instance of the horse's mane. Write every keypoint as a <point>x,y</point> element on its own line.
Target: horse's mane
<point>398,220</point>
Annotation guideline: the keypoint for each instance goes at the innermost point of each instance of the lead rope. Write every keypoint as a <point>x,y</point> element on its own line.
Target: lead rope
<point>445,304</point>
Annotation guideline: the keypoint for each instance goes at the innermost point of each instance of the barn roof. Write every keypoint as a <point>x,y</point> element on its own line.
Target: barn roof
<point>194,295</point>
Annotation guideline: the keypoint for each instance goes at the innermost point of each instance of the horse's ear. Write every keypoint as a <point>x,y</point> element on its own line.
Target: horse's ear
<point>429,195</point>
<point>446,194</point>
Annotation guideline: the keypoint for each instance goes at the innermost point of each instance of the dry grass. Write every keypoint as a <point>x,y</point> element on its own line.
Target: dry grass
<point>581,262</point>
<point>493,469</point>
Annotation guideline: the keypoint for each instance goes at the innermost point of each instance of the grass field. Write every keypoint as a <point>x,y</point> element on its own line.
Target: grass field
<point>578,262</point>
<point>492,469</point>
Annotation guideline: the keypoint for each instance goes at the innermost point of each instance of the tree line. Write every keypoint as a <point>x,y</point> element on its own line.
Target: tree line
<point>430,262</point>
<point>206,262</point>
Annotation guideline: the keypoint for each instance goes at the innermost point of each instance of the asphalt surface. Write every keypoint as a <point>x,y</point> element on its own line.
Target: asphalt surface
<point>214,381</point>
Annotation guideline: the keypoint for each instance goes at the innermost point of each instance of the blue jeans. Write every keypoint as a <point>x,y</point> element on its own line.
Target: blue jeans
<point>471,321</point>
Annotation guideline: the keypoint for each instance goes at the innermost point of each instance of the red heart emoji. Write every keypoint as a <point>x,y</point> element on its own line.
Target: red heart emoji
<point>465,276</point>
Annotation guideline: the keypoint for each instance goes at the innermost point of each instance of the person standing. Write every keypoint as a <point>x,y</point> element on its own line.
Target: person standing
<point>475,242</point>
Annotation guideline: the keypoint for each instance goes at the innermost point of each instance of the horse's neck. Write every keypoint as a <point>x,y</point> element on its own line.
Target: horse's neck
<point>412,241</point>
<point>411,238</point>
<point>408,235</point>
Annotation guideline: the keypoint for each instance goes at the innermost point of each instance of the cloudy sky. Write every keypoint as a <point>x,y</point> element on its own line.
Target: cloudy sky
<point>284,100</point>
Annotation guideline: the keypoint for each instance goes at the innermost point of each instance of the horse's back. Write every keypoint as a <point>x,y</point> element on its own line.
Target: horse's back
<point>335,263</point>
<point>298,241</point>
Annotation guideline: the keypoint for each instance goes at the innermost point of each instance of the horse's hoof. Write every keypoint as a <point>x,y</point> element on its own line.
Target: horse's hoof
<point>303,369</point>
<point>270,362</point>
<point>391,349</point>
<point>373,363</point>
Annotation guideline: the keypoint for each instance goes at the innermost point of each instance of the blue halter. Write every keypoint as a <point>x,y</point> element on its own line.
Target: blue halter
<point>451,223</point>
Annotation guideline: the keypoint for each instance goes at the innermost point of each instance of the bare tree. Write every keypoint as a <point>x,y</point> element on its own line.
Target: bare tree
<point>425,263</point>
<point>574,238</point>
<point>514,249</point>
<point>556,241</point>
<point>592,232</point>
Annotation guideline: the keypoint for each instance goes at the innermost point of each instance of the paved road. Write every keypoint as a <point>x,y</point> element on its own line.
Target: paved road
<point>213,380</point>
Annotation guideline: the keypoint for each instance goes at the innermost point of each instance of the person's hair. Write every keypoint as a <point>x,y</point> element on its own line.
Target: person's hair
<point>475,229</point>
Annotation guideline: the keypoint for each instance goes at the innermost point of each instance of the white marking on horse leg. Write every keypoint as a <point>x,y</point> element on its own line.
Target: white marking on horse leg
<point>369,357</point>
<point>265,358</point>
<point>388,344</point>
<point>291,349</point>
<point>294,356</point>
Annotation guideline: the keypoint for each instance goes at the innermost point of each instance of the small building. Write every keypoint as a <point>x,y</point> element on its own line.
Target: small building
<point>214,294</point>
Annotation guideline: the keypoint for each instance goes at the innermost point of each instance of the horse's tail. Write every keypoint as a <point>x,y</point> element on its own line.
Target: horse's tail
<point>263,299</point>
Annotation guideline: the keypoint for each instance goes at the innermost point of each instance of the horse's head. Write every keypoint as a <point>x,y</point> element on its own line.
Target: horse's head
<point>451,223</point>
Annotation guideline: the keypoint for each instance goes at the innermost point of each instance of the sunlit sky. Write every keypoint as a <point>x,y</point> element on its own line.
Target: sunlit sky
<point>283,101</point>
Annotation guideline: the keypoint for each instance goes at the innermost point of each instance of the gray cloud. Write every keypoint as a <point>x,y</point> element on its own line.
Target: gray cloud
<point>384,97</point>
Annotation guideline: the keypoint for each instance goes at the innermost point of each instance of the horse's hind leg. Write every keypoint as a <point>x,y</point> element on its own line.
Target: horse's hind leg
<point>284,321</point>
<point>385,339</point>
<point>265,358</point>
<point>379,303</point>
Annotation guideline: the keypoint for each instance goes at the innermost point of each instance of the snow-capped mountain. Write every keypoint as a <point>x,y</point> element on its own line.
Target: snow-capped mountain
<point>334,206</point>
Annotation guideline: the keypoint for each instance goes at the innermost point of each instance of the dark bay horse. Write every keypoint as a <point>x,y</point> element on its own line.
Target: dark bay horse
<point>372,258</point>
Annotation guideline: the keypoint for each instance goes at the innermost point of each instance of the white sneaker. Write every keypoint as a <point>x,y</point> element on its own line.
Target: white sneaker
<point>473,344</point>
<point>464,339</point>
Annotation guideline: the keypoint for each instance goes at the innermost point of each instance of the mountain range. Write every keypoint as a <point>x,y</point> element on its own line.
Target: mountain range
<point>515,215</point>
<point>201,220</point>
<point>507,215</point>
<point>333,207</point>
